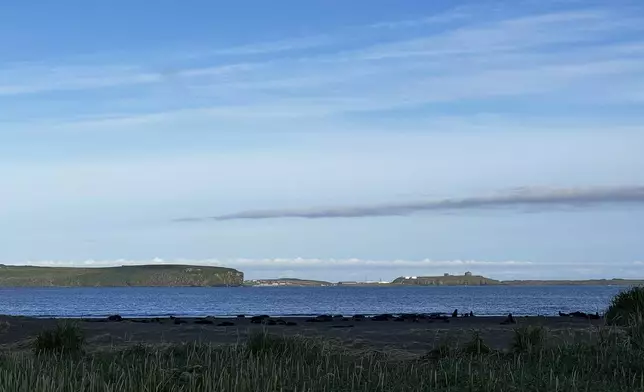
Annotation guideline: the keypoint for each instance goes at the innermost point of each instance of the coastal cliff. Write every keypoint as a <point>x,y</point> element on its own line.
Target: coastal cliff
<point>123,276</point>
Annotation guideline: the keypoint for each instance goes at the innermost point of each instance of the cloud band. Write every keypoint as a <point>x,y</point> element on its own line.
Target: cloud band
<point>524,197</point>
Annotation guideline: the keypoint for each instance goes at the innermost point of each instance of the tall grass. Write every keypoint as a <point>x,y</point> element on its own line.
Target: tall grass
<point>627,307</point>
<point>528,339</point>
<point>66,338</point>
<point>271,363</point>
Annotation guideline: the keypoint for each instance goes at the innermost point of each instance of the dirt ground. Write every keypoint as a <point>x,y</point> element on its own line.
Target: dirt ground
<point>405,338</point>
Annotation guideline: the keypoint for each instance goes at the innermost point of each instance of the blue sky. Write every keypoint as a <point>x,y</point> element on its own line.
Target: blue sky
<point>118,120</point>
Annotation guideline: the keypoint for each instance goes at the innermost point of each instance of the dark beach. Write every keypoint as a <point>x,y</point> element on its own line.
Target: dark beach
<point>405,338</point>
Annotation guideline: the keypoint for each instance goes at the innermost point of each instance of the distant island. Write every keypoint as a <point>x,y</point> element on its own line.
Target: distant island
<point>467,279</point>
<point>446,280</point>
<point>140,275</point>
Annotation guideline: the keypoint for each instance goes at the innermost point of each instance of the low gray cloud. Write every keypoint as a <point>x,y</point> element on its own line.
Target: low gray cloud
<point>529,198</point>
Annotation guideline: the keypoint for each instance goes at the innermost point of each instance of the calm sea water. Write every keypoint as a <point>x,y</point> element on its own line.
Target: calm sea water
<point>202,301</point>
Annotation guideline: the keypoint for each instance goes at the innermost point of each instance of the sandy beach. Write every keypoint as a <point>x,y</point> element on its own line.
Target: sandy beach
<point>406,338</point>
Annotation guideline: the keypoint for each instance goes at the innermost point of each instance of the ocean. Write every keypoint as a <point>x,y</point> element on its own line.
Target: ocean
<point>301,301</point>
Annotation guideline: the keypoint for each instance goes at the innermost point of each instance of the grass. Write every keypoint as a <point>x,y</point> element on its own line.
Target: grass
<point>528,339</point>
<point>626,307</point>
<point>131,275</point>
<point>272,363</point>
<point>66,338</point>
<point>477,346</point>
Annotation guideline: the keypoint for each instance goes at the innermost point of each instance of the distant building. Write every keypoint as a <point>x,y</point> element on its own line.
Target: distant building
<point>446,274</point>
<point>468,273</point>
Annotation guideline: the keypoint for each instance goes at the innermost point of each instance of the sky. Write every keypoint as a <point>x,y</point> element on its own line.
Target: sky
<point>335,140</point>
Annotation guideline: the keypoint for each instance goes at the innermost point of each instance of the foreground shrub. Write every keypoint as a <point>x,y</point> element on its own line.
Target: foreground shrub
<point>528,339</point>
<point>265,344</point>
<point>477,346</point>
<point>626,307</point>
<point>65,338</point>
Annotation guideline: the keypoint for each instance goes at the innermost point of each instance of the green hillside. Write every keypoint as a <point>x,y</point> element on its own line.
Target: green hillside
<point>139,275</point>
<point>447,280</point>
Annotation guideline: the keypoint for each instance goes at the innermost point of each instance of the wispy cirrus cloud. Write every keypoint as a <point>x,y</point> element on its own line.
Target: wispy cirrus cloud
<point>491,53</point>
<point>544,199</point>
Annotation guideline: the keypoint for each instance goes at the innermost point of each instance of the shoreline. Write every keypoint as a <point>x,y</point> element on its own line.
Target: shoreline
<point>407,337</point>
<point>187,316</point>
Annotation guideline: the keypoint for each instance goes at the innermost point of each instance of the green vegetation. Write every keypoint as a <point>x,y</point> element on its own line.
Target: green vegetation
<point>626,307</point>
<point>140,275</point>
<point>66,338</point>
<point>528,339</point>
<point>271,363</point>
<point>477,346</point>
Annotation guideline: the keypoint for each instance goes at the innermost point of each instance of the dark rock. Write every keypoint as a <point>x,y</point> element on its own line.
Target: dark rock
<point>345,319</point>
<point>342,326</point>
<point>381,317</point>
<point>509,320</point>
<point>337,316</point>
<point>583,315</point>
<point>204,321</point>
<point>241,316</point>
<point>455,313</point>
<point>358,317</point>
<point>115,317</point>
<point>226,324</point>
<point>399,319</point>
<point>324,318</point>
<point>290,323</point>
<point>269,322</point>
<point>471,314</point>
<point>178,321</point>
<point>280,322</point>
<point>258,319</point>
